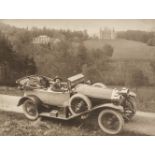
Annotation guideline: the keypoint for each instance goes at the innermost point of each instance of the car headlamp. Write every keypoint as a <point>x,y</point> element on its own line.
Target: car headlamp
<point>115,96</point>
<point>125,91</point>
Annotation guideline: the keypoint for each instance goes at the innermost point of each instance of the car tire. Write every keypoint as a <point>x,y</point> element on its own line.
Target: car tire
<point>30,109</point>
<point>110,121</point>
<point>79,103</point>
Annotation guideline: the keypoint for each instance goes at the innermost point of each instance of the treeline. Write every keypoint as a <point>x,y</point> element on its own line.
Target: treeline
<point>65,58</point>
<point>137,35</point>
<point>26,35</point>
<point>12,64</point>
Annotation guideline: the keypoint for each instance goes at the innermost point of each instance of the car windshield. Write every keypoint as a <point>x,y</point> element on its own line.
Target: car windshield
<point>74,80</point>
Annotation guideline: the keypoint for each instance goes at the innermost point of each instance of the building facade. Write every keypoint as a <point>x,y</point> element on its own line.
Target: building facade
<point>42,39</point>
<point>107,34</point>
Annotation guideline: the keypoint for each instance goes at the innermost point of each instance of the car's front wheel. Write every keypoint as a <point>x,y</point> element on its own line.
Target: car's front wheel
<point>30,109</point>
<point>110,121</point>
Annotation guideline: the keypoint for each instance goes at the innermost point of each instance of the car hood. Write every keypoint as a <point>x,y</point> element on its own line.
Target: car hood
<point>95,92</point>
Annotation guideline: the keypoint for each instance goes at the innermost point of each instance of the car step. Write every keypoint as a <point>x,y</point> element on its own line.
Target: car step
<point>54,114</point>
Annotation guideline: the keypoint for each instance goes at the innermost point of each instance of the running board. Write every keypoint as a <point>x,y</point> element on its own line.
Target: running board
<point>47,114</point>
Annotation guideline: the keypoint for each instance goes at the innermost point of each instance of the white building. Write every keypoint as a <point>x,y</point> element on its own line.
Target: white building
<point>107,34</point>
<point>42,39</point>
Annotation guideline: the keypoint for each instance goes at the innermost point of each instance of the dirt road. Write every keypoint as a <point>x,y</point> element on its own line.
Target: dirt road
<point>143,123</point>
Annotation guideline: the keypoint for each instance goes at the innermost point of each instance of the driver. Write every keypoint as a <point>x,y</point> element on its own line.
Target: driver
<point>57,86</point>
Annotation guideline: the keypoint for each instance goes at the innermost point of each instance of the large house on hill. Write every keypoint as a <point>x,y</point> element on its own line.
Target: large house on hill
<point>42,39</point>
<point>107,34</point>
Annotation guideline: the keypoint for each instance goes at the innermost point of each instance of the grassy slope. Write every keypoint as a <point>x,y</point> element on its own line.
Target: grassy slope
<point>124,49</point>
<point>17,124</point>
<point>12,124</point>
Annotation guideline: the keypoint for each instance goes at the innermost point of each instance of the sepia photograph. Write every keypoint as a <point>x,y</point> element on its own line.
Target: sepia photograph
<point>77,77</point>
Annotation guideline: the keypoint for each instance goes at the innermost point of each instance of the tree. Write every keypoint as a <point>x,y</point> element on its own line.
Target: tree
<point>152,64</point>
<point>151,42</point>
<point>6,51</point>
<point>108,50</point>
<point>137,78</point>
<point>142,36</point>
<point>14,64</point>
<point>30,66</point>
<point>81,55</point>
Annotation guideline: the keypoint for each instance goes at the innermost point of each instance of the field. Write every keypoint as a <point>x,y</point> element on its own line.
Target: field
<point>125,49</point>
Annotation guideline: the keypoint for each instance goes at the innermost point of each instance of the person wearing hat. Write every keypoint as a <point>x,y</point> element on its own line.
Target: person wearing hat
<point>44,83</point>
<point>57,84</point>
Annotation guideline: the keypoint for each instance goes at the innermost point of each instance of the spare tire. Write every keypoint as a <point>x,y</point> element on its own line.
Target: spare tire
<point>79,103</point>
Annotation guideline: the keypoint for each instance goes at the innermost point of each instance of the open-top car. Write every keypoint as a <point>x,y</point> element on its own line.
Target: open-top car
<point>73,98</point>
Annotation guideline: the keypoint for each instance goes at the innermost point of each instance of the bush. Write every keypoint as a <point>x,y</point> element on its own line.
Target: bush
<point>137,78</point>
<point>142,36</point>
<point>13,65</point>
<point>151,42</point>
<point>108,50</point>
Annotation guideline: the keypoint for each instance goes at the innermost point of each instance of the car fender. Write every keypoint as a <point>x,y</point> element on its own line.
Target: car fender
<point>132,94</point>
<point>34,98</point>
<point>109,105</point>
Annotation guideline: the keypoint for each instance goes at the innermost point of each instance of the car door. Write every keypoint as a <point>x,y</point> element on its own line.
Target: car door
<point>51,97</point>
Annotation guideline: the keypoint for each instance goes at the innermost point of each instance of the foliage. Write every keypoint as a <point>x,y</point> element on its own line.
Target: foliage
<point>6,52</point>
<point>108,50</point>
<point>151,41</point>
<point>71,55</point>
<point>12,64</point>
<point>136,35</point>
<point>152,64</point>
<point>137,78</point>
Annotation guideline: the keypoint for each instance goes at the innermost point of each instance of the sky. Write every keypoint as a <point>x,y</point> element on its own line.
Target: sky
<point>91,25</point>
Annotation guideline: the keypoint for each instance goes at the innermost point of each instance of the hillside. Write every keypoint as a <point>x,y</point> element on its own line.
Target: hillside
<point>125,49</point>
<point>69,57</point>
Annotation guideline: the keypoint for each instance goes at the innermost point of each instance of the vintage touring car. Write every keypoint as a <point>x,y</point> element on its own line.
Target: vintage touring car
<point>77,98</point>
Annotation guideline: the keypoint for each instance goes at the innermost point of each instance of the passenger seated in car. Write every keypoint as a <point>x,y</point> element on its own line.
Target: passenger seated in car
<point>31,83</point>
<point>44,83</point>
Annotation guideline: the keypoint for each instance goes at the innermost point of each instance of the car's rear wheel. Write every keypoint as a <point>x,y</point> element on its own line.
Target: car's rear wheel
<point>30,109</point>
<point>110,121</point>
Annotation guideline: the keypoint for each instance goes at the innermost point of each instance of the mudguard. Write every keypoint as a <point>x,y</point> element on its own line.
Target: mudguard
<point>108,105</point>
<point>132,94</point>
<point>34,98</point>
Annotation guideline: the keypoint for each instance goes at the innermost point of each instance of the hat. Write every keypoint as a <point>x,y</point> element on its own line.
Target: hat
<point>57,77</point>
